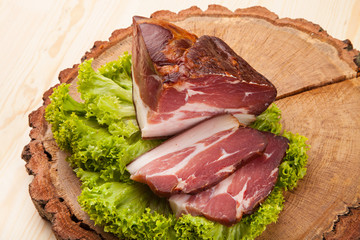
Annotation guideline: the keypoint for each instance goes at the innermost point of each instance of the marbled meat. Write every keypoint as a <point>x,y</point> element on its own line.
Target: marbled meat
<point>239,193</point>
<point>180,79</point>
<point>198,158</point>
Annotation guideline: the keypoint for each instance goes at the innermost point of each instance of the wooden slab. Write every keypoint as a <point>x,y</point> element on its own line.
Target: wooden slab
<point>330,117</point>
<point>296,56</point>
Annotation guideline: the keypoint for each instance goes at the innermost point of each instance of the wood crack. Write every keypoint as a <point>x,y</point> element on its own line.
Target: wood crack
<point>104,51</point>
<point>310,88</point>
<point>350,216</point>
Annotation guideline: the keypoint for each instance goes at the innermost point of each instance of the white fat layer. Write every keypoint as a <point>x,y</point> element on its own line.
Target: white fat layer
<point>245,118</point>
<point>274,172</point>
<point>199,147</point>
<point>169,127</point>
<point>268,155</point>
<point>243,203</point>
<point>239,198</point>
<point>178,203</point>
<point>225,155</point>
<point>142,109</point>
<point>182,183</point>
<point>193,92</point>
<point>234,82</point>
<point>223,186</point>
<point>228,169</point>
<point>180,121</point>
<point>203,107</point>
<point>187,139</point>
<point>248,94</point>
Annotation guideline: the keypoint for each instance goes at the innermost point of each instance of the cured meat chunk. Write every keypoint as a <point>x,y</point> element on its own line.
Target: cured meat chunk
<point>198,158</point>
<point>180,79</point>
<point>239,193</point>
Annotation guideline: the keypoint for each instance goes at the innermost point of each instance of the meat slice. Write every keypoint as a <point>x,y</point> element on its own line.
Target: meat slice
<point>198,158</point>
<point>239,193</point>
<point>180,79</point>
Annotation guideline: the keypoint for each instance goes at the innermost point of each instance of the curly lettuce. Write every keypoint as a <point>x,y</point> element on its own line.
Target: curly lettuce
<point>102,136</point>
<point>101,132</point>
<point>130,210</point>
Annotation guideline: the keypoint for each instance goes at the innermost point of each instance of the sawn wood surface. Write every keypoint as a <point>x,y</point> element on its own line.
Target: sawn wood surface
<point>318,93</point>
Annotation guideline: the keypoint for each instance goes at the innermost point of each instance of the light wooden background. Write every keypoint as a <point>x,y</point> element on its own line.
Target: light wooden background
<point>40,38</point>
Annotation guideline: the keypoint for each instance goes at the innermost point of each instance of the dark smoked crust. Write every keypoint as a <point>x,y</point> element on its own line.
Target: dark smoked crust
<point>345,53</point>
<point>38,153</point>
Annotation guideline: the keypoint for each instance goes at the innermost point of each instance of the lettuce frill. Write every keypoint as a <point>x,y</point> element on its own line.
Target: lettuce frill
<point>102,136</point>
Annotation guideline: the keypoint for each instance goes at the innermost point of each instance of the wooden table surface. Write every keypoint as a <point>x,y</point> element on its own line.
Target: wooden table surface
<point>40,38</point>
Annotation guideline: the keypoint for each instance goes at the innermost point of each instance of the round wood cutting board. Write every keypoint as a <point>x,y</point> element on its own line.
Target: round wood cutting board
<point>318,93</point>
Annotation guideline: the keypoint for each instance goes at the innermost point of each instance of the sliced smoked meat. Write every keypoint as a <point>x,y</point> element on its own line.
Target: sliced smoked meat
<point>199,157</point>
<point>180,79</point>
<point>239,193</point>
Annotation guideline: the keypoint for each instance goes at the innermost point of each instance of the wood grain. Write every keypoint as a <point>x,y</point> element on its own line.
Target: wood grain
<point>332,181</point>
<point>315,218</point>
<point>43,37</point>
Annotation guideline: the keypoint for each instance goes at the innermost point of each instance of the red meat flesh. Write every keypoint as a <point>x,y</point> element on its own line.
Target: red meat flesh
<point>239,193</point>
<point>199,157</point>
<point>180,80</point>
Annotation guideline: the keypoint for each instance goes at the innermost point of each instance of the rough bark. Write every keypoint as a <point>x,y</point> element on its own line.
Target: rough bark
<point>303,62</point>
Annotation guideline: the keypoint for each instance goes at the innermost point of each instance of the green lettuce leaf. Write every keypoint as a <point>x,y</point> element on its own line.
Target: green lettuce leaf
<point>100,133</point>
<point>119,71</point>
<point>102,136</point>
<point>92,83</point>
<point>129,210</point>
<point>61,107</point>
<point>189,227</point>
<point>269,120</point>
<point>293,167</point>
